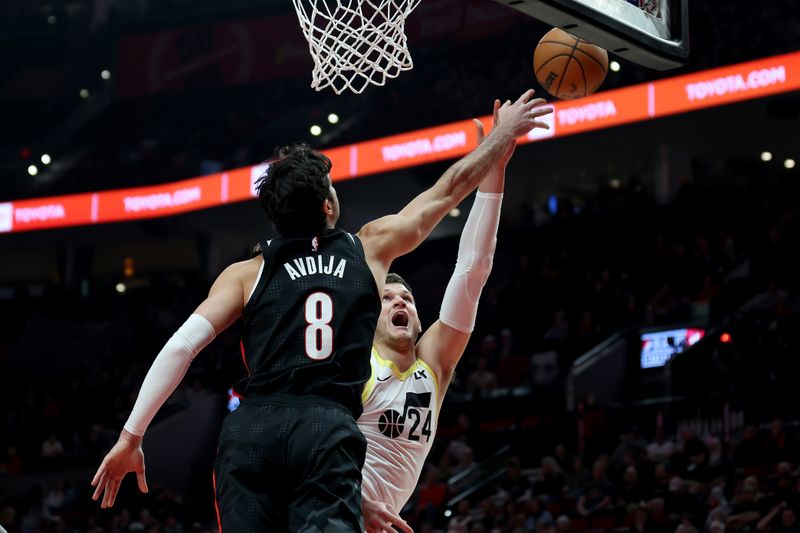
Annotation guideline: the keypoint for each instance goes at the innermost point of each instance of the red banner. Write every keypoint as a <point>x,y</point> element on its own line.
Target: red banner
<point>602,110</point>
<point>160,200</point>
<point>41,213</point>
<point>728,84</point>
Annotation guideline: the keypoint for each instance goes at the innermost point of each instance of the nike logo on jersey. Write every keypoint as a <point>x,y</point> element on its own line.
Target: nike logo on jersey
<point>384,379</point>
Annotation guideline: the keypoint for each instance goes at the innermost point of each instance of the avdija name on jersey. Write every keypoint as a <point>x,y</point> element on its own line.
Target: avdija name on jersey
<point>306,266</point>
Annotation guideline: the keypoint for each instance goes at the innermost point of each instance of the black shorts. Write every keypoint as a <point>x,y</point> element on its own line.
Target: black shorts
<point>289,464</point>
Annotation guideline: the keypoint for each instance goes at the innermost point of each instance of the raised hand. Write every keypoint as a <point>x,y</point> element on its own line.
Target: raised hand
<point>520,117</point>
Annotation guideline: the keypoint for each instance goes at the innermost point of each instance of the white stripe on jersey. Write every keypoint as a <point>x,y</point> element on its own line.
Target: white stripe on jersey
<point>399,421</point>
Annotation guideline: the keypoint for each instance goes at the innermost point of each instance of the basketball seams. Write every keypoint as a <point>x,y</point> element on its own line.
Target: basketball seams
<point>566,67</point>
<point>583,74</point>
<point>590,56</point>
<point>549,60</point>
<point>555,42</point>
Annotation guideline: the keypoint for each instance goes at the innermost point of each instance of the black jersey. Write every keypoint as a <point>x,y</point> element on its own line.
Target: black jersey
<point>309,324</point>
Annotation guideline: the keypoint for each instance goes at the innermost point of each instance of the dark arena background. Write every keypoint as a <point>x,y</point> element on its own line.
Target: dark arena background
<point>636,342</point>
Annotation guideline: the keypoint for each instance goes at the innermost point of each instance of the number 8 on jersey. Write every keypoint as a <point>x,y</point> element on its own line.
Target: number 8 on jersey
<point>319,333</point>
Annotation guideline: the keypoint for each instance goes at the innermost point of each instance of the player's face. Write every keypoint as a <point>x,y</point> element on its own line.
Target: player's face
<point>399,321</point>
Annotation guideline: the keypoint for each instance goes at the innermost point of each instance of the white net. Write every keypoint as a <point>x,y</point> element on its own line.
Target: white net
<point>355,43</point>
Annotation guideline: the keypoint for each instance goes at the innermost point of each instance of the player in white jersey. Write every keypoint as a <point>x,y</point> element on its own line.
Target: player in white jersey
<point>403,396</point>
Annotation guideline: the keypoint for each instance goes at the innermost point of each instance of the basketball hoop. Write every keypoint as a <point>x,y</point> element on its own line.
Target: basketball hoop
<point>355,43</point>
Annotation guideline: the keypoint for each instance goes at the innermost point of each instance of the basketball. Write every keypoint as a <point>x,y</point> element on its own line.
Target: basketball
<point>568,67</point>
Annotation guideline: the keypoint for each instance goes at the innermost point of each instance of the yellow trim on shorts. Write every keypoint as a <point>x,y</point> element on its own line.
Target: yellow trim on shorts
<point>370,384</point>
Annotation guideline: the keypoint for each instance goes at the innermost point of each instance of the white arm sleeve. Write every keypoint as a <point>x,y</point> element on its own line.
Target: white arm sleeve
<point>168,370</point>
<point>474,264</point>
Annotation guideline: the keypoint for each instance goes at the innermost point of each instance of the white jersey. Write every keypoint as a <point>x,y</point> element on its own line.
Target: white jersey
<point>399,422</point>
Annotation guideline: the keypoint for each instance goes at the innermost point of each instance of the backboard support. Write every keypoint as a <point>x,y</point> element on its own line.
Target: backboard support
<point>652,33</point>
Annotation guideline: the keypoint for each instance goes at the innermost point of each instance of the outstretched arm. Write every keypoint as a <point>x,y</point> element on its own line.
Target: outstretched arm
<point>392,236</point>
<point>445,341</point>
<point>222,307</point>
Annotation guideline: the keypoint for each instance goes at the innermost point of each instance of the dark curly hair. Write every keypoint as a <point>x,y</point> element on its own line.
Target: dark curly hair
<point>391,277</point>
<point>293,189</point>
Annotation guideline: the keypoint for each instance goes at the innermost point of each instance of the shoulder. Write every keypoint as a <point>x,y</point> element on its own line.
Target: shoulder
<point>243,267</point>
<point>241,272</point>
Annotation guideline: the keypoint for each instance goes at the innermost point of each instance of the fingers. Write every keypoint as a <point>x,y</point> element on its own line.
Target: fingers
<point>99,474</point>
<point>535,103</point>
<point>495,112</point>
<point>393,519</point>
<point>539,112</point>
<point>110,493</point>
<point>403,525</point>
<point>142,481</point>
<point>101,483</point>
<point>114,490</point>
<point>542,125</point>
<point>526,96</point>
<point>479,127</point>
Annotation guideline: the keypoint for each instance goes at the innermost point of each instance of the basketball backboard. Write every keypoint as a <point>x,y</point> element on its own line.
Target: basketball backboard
<point>651,33</point>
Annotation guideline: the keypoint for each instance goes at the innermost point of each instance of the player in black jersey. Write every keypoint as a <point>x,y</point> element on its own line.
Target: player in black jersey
<point>290,457</point>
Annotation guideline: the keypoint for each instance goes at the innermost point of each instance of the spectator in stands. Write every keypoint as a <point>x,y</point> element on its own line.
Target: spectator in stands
<point>467,470</point>
<point>543,526</point>
<point>432,494</point>
<point>514,483</point>
<point>487,514</point>
<point>781,519</point>
<point>551,479</point>
<point>750,450</point>
<point>746,510</point>
<point>776,443</point>
<point>686,526</point>
<point>578,476</point>
<point>679,501</point>
<point>717,506</point>
<point>506,344</point>
<point>512,519</point>
<point>12,464</point>
<point>641,520</point>
<point>598,496</point>
<point>559,329</point>
<point>482,381</point>
<point>561,456</point>
<point>536,514</point>
<point>461,522</point>
<point>661,477</point>
<point>631,491</point>
<point>630,449</point>
<point>698,469</point>
<point>782,486</point>
<point>52,452</point>
<point>662,447</point>
<point>595,423</point>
